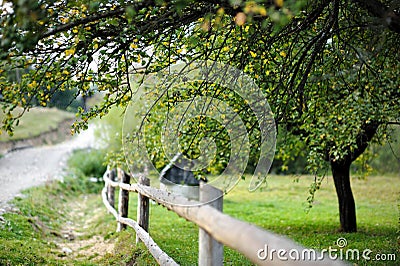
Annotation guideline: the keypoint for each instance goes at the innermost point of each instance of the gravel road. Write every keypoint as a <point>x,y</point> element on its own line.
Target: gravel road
<point>30,167</point>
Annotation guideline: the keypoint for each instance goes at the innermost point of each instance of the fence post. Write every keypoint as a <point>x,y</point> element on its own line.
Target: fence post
<point>211,252</point>
<point>143,206</point>
<point>110,189</point>
<point>123,198</point>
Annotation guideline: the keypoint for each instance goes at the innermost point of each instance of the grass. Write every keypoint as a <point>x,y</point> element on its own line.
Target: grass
<point>281,208</point>
<point>35,122</point>
<point>34,234</point>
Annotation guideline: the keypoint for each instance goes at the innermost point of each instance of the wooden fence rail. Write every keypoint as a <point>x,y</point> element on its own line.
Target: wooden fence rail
<point>216,228</point>
<point>159,255</point>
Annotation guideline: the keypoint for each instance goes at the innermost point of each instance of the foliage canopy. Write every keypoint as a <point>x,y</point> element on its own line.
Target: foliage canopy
<point>329,68</point>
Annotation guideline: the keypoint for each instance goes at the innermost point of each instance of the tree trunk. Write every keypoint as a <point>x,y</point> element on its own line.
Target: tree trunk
<point>341,176</point>
<point>347,208</point>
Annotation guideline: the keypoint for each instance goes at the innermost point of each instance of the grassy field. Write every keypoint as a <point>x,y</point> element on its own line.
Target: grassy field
<point>36,121</point>
<point>36,233</point>
<point>281,208</point>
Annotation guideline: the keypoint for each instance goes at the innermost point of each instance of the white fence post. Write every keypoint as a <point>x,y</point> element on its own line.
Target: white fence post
<point>211,252</point>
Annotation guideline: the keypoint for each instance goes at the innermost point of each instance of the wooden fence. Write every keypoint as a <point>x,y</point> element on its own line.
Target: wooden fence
<point>215,228</point>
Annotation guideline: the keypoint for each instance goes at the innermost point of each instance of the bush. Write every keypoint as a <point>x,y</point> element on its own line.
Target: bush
<point>84,166</point>
<point>88,162</point>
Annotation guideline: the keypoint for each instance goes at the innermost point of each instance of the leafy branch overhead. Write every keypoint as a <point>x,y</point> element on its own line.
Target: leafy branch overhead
<point>329,68</point>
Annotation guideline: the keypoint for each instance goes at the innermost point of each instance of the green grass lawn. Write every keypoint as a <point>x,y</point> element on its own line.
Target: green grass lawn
<point>36,121</point>
<point>280,207</point>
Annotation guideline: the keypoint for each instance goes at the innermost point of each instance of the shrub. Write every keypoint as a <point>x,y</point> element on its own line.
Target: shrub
<point>88,162</point>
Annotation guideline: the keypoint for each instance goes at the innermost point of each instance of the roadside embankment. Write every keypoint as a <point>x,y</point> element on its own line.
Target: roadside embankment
<point>50,137</point>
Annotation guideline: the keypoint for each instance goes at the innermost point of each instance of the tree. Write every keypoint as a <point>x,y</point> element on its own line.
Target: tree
<point>329,68</point>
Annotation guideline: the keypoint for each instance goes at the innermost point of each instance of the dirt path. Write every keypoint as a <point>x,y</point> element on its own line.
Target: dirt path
<point>77,240</point>
<point>24,168</point>
<point>29,167</point>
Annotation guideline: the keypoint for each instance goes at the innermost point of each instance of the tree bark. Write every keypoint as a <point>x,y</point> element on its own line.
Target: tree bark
<point>347,208</point>
<point>341,176</point>
<point>123,201</point>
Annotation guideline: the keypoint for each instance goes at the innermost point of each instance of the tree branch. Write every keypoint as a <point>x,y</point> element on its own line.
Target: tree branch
<point>364,137</point>
<point>389,16</point>
<point>82,21</point>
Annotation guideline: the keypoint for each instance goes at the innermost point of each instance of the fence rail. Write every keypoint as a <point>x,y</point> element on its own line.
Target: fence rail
<point>244,237</point>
